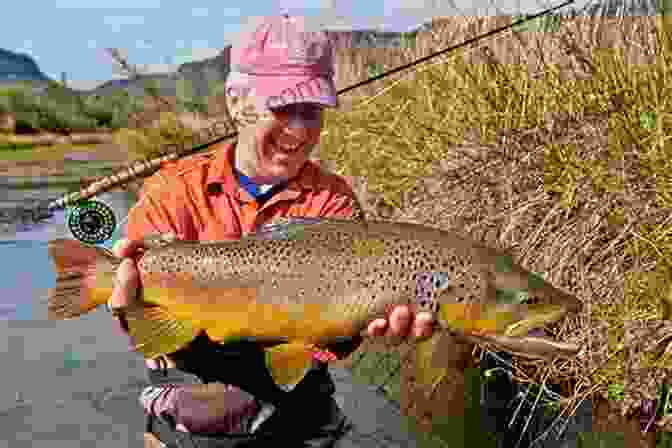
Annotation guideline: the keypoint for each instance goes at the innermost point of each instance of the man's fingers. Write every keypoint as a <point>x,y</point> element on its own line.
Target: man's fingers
<point>401,319</point>
<point>126,248</point>
<point>128,281</point>
<point>377,328</point>
<point>403,324</point>
<point>423,326</point>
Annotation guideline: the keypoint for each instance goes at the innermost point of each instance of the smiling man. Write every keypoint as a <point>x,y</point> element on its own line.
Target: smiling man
<point>281,79</point>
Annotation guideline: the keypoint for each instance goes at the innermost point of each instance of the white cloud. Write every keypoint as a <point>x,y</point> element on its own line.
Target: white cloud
<point>199,43</point>
<point>108,4</point>
<point>227,12</point>
<point>27,45</point>
<point>117,22</point>
<point>143,44</point>
<point>200,12</point>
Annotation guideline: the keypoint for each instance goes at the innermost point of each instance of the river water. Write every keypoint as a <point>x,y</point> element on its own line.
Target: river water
<point>26,270</point>
<point>64,383</point>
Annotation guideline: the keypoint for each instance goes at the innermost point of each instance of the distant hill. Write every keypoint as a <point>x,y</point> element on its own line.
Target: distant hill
<point>19,67</point>
<point>197,74</point>
<point>200,75</point>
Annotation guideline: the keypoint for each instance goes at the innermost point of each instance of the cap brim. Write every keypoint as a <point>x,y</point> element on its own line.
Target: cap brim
<point>279,91</point>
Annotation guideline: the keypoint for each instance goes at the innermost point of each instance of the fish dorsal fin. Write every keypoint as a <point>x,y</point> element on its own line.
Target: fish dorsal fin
<point>287,227</point>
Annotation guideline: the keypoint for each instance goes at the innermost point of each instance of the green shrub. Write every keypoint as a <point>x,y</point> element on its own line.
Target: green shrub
<point>59,110</point>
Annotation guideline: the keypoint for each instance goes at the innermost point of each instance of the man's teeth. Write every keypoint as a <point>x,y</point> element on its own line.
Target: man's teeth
<point>287,148</point>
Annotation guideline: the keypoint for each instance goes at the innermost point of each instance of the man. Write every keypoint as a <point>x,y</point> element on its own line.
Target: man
<point>281,78</point>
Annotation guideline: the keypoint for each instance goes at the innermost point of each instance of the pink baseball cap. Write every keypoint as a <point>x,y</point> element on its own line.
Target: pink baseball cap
<point>286,61</point>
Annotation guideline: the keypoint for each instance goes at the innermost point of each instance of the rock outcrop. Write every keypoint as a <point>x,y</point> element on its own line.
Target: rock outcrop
<point>15,67</point>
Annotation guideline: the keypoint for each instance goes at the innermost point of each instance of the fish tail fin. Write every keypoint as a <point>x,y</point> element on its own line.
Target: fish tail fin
<point>84,278</point>
<point>288,363</point>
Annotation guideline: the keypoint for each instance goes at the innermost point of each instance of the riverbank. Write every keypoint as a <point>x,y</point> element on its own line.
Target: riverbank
<point>50,139</point>
<point>52,160</point>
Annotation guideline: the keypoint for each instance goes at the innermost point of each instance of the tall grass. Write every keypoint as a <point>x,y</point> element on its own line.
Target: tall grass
<point>553,142</point>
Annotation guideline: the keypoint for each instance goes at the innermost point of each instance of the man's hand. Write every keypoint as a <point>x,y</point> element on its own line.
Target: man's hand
<point>127,283</point>
<point>128,277</point>
<point>402,324</point>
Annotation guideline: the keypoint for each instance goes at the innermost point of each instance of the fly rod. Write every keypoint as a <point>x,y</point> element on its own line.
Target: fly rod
<point>145,168</point>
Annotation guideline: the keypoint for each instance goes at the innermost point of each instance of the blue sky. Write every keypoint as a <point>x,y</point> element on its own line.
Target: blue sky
<point>71,35</point>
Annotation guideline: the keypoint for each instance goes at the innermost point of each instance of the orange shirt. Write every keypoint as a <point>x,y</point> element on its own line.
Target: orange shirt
<point>200,199</point>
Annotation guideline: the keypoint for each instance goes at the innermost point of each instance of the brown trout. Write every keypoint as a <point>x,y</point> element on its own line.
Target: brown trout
<point>303,283</point>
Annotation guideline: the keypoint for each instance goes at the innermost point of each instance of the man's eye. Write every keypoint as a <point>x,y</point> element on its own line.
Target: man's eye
<point>308,112</point>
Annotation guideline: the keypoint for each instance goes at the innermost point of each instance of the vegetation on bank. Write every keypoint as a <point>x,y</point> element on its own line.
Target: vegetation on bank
<point>554,143</point>
<point>59,110</point>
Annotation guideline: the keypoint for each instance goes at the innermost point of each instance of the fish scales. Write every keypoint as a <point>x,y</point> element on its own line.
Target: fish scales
<point>362,272</point>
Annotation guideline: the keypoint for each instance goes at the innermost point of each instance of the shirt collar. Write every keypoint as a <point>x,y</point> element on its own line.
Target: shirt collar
<point>221,173</point>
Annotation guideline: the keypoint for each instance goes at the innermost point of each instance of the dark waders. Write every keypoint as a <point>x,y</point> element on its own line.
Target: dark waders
<point>306,417</point>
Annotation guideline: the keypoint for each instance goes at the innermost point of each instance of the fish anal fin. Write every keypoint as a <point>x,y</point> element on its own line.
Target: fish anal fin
<point>289,363</point>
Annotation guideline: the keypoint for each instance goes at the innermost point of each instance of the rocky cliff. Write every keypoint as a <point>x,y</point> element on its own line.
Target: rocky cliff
<point>19,67</point>
<point>199,77</point>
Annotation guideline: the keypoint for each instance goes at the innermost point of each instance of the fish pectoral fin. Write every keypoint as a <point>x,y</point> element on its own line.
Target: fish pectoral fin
<point>154,331</point>
<point>289,363</point>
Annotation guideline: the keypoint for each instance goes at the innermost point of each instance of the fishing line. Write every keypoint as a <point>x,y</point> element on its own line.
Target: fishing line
<point>147,167</point>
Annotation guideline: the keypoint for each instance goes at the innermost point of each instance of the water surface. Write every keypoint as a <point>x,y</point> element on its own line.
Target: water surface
<point>80,367</point>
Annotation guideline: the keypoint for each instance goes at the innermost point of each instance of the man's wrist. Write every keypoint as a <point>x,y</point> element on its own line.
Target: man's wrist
<point>119,314</point>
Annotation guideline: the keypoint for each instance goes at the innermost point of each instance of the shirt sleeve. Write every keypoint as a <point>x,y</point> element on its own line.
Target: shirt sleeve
<point>345,206</point>
<point>161,208</point>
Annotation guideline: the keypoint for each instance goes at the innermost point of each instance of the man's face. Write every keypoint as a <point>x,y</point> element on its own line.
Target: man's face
<point>284,139</point>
